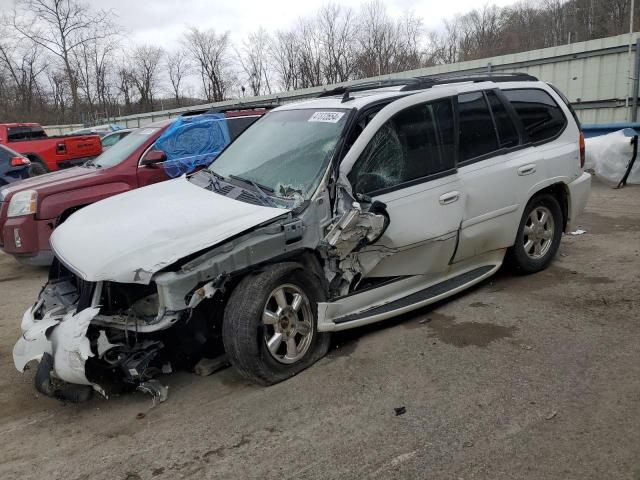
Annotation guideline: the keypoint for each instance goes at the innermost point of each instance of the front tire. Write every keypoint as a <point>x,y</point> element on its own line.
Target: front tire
<point>539,235</point>
<point>270,324</point>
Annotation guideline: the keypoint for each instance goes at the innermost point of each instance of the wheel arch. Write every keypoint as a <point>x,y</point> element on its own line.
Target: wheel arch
<point>68,212</point>
<point>34,157</point>
<point>560,192</point>
<point>306,259</point>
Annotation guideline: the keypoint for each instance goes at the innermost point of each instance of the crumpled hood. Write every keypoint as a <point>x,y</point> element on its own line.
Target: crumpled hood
<point>129,237</point>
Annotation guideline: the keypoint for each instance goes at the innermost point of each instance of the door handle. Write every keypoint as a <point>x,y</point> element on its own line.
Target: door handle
<point>450,197</point>
<point>527,169</point>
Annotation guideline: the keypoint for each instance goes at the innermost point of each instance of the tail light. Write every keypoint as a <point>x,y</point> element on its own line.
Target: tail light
<point>20,161</point>
<point>61,148</point>
<point>582,150</point>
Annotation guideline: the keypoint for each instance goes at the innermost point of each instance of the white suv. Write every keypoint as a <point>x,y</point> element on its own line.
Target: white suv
<point>324,215</point>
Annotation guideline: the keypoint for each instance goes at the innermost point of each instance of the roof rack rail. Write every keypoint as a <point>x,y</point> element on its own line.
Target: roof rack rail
<point>432,80</point>
<point>359,87</point>
<point>243,106</point>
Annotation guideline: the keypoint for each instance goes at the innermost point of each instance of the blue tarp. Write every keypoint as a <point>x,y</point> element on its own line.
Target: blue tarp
<point>595,130</point>
<point>192,142</point>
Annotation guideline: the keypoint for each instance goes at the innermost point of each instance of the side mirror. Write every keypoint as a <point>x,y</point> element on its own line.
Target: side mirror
<point>153,157</point>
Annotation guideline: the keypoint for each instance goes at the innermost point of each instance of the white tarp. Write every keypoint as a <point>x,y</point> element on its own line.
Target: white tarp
<point>609,155</point>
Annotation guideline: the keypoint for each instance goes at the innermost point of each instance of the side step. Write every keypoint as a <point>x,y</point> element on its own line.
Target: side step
<point>421,296</point>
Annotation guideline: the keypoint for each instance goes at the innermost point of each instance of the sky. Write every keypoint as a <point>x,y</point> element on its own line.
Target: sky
<point>162,22</point>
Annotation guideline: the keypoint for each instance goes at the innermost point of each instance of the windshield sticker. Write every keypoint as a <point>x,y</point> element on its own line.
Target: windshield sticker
<point>148,131</point>
<point>326,117</point>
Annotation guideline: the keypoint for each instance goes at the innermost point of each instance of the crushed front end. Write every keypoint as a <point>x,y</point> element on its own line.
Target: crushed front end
<point>103,336</point>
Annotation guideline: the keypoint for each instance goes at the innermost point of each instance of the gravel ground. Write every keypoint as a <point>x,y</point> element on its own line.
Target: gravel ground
<point>521,377</point>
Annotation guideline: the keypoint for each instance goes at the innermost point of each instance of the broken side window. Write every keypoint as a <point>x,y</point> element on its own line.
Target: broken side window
<point>415,143</point>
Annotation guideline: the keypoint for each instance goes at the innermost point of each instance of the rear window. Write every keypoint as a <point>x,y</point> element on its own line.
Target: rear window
<point>507,133</point>
<point>25,133</point>
<point>477,135</point>
<point>540,114</point>
<point>237,125</point>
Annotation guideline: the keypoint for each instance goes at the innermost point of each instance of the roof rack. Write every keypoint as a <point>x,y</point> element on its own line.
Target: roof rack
<point>360,87</point>
<point>421,83</point>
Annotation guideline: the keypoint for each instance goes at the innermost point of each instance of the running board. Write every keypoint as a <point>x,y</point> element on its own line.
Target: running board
<point>414,300</point>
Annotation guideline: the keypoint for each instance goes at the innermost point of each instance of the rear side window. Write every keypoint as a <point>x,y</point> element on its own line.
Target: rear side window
<point>237,125</point>
<point>4,155</point>
<point>416,143</point>
<point>540,114</point>
<point>507,133</point>
<point>477,134</point>
<point>25,133</point>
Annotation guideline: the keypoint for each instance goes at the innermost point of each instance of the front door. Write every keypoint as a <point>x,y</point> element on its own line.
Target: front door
<point>149,174</point>
<point>409,164</point>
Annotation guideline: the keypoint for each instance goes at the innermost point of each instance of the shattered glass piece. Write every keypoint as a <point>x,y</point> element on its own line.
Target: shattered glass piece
<point>192,142</point>
<point>381,164</point>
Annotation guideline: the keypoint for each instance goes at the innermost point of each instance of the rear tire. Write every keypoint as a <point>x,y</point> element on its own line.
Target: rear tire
<point>36,168</point>
<point>539,235</point>
<point>270,324</point>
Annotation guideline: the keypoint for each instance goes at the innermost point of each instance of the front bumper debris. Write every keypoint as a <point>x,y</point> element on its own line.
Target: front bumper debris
<point>75,354</point>
<point>60,334</point>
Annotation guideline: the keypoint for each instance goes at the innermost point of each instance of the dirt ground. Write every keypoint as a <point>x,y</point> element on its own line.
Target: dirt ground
<point>522,377</point>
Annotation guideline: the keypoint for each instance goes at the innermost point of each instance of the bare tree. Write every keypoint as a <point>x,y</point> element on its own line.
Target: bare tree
<point>22,66</point>
<point>178,67</point>
<point>59,93</point>
<point>61,27</point>
<point>284,52</point>
<point>144,73</point>
<point>254,58</point>
<point>210,52</point>
<point>337,33</point>
<point>126,87</point>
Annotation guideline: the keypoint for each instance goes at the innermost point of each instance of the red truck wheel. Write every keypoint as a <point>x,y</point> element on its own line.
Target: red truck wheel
<point>36,168</point>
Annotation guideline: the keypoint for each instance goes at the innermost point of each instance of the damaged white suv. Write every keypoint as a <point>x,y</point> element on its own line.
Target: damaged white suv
<point>324,215</point>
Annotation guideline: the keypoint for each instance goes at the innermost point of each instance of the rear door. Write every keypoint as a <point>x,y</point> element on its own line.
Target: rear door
<point>409,164</point>
<point>496,168</point>
<point>556,155</point>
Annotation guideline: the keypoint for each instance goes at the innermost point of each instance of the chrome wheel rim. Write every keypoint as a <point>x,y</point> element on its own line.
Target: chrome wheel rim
<point>288,323</point>
<point>538,233</point>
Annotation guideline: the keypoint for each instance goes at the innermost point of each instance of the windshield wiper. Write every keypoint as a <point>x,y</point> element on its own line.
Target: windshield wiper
<point>258,188</point>
<point>214,179</point>
<point>251,182</point>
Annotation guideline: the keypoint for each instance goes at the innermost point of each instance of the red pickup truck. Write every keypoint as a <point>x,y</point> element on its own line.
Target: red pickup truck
<point>30,209</point>
<point>48,153</point>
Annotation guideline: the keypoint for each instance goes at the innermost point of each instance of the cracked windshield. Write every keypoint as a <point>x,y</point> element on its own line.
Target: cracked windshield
<point>284,152</point>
